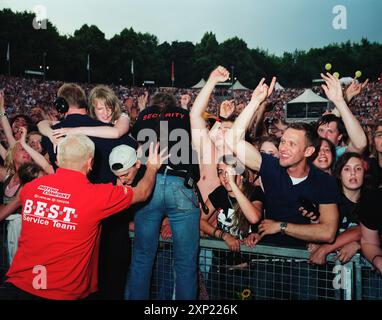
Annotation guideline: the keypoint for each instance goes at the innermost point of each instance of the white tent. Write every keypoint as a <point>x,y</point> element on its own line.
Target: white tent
<point>238,86</point>
<point>200,84</point>
<point>308,96</point>
<point>346,80</point>
<point>278,86</point>
<point>306,107</point>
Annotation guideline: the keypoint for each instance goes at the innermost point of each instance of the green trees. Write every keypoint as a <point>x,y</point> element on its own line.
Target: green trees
<point>110,59</point>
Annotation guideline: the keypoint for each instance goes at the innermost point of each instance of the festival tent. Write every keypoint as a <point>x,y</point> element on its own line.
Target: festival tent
<point>346,80</point>
<point>200,84</point>
<point>306,107</point>
<point>238,86</point>
<point>278,86</point>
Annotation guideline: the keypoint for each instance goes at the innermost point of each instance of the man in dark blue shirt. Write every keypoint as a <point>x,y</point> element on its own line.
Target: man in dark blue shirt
<point>283,200</point>
<point>287,180</point>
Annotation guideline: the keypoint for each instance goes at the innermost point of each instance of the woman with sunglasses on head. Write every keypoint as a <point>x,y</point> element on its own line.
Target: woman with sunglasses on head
<point>233,208</point>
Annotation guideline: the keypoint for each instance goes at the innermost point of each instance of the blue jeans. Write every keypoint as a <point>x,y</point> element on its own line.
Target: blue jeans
<point>170,198</point>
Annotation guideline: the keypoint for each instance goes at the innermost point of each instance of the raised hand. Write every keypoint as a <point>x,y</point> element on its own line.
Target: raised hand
<point>227,108</point>
<point>220,74</point>
<point>142,100</point>
<point>354,89</point>
<point>23,135</point>
<point>332,88</point>
<point>262,91</point>
<point>271,87</point>
<point>231,176</point>
<point>155,159</point>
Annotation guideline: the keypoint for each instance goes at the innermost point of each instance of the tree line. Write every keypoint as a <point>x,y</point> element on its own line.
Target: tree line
<point>110,59</point>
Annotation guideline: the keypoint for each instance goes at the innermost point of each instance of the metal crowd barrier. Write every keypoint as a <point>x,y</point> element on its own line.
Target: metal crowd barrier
<point>268,273</point>
<point>368,282</point>
<point>260,273</point>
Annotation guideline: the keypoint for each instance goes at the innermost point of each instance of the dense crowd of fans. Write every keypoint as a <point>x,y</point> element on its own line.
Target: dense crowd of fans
<point>303,185</point>
<point>24,95</point>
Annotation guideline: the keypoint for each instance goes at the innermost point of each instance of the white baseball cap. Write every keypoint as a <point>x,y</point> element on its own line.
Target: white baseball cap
<point>122,158</point>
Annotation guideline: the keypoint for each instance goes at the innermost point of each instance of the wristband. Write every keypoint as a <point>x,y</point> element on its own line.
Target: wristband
<point>222,234</point>
<point>2,114</point>
<point>214,233</point>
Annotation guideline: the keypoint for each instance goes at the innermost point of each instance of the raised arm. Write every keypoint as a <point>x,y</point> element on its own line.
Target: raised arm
<point>142,101</point>
<point>37,157</point>
<point>251,210</point>
<point>198,124</point>
<point>5,122</point>
<point>259,95</point>
<point>234,137</point>
<point>354,89</point>
<point>226,109</point>
<point>3,152</point>
<point>333,91</point>
<point>200,135</point>
<point>257,122</point>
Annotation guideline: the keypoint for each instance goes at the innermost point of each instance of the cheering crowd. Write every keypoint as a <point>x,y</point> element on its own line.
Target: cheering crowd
<point>83,165</point>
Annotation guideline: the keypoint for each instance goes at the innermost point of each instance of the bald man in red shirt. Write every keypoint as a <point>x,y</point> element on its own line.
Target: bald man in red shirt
<point>58,249</point>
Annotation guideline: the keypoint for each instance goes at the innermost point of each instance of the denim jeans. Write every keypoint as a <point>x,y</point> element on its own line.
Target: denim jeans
<point>170,198</point>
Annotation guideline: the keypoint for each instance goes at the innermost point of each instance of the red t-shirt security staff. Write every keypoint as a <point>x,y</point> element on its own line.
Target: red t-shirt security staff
<point>57,256</point>
<point>65,207</point>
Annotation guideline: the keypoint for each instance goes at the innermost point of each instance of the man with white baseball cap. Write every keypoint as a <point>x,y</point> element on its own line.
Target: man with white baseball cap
<point>116,245</point>
<point>124,163</point>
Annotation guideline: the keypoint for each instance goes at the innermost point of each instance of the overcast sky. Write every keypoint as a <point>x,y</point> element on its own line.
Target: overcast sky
<point>274,25</point>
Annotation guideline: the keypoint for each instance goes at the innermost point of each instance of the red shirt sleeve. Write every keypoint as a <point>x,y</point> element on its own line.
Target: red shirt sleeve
<point>115,199</point>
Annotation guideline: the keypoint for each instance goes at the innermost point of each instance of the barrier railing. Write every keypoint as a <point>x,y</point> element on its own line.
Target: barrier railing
<point>269,273</point>
<point>260,273</point>
<point>368,282</point>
